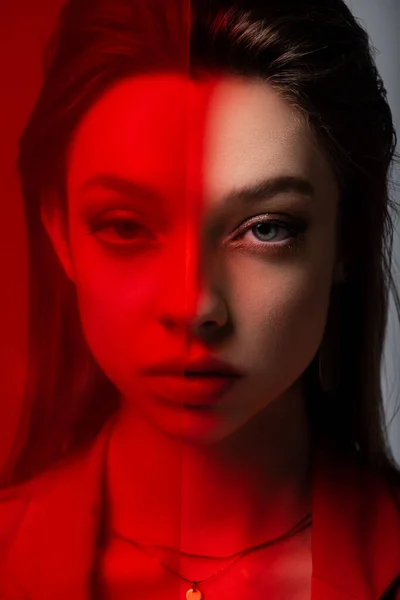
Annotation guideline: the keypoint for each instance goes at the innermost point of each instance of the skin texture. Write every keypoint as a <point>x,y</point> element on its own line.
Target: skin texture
<point>185,283</point>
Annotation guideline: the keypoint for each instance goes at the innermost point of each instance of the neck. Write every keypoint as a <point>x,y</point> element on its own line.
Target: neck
<point>214,499</point>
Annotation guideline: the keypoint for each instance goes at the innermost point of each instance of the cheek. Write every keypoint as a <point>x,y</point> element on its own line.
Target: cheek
<point>115,300</point>
<point>119,300</point>
<point>281,315</point>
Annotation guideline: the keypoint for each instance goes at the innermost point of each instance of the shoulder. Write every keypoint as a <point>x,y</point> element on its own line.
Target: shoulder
<point>72,481</point>
<point>15,500</point>
<point>13,503</point>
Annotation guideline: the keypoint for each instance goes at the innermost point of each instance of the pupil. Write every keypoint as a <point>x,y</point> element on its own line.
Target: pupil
<point>260,231</point>
<point>125,229</point>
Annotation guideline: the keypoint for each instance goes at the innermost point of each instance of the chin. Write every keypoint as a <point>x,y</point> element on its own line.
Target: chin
<point>193,426</point>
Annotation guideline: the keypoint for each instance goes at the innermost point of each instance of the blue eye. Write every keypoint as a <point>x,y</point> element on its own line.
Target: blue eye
<point>266,233</point>
<point>262,231</point>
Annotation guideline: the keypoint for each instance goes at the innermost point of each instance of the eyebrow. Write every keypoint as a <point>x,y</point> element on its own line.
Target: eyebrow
<point>270,187</point>
<point>120,185</point>
<point>263,190</point>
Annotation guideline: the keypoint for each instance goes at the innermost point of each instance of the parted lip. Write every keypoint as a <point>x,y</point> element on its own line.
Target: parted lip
<point>204,365</point>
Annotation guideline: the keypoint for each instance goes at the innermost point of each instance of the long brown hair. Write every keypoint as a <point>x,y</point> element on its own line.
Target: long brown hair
<point>319,59</point>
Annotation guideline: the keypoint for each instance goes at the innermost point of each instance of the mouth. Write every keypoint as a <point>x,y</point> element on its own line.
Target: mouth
<point>205,366</point>
<point>211,374</point>
<point>198,407</point>
<point>198,391</point>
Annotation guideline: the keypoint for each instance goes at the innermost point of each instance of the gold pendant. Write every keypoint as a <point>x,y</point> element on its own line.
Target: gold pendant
<point>194,594</point>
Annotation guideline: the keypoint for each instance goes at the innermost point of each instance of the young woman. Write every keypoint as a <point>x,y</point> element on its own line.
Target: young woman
<point>207,208</point>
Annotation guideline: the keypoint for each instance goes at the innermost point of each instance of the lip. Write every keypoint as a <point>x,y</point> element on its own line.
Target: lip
<point>191,390</point>
<point>205,365</point>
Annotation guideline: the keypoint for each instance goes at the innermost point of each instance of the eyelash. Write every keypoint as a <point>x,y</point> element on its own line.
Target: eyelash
<point>295,226</point>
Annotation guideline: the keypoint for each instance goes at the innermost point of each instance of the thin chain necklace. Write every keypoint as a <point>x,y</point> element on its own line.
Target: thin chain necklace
<point>194,593</point>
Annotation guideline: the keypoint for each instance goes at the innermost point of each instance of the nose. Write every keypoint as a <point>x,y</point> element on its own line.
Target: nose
<point>191,298</point>
<point>207,312</point>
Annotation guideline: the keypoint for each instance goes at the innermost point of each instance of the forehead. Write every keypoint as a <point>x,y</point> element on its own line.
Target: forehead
<point>205,136</point>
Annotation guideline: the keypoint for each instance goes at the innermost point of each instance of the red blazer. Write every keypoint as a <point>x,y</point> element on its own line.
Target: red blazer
<point>49,526</point>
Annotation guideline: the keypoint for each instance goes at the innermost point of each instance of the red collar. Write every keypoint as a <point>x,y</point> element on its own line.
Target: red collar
<point>52,526</point>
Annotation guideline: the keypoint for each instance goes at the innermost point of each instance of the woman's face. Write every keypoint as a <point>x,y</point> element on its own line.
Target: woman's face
<point>202,221</point>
